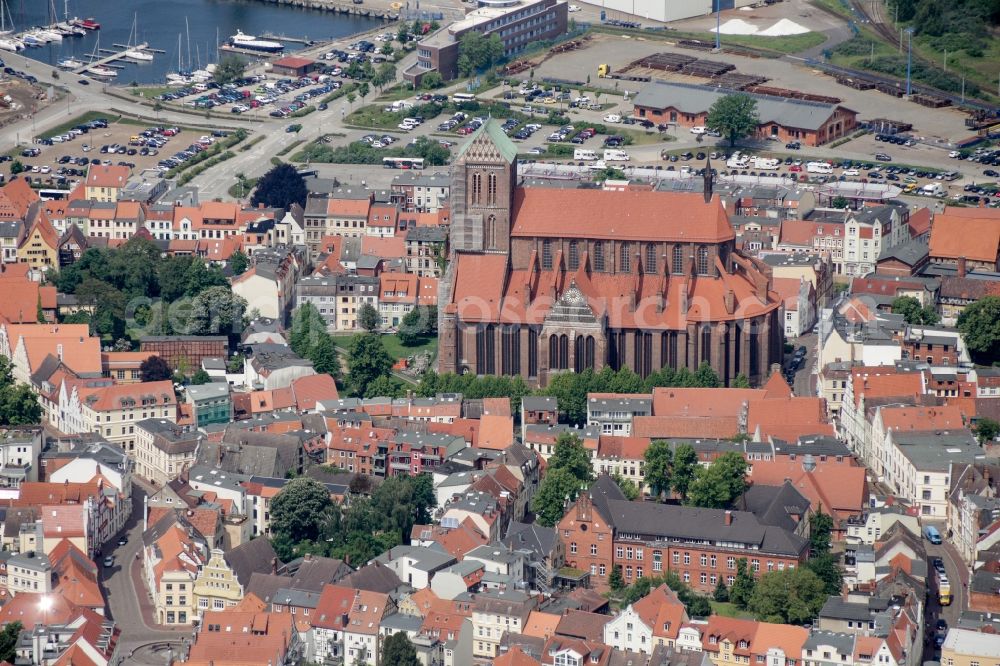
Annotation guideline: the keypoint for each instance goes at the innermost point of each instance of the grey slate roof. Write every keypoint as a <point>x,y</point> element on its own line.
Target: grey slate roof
<point>775,505</point>
<point>843,643</point>
<point>695,99</point>
<point>254,556</point>
<point>533,537</point>
<point>374,577</point>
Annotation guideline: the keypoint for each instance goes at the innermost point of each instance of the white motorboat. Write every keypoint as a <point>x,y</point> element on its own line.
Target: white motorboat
<point>101,71</point>
<point>49,35</point>
<point>249,42</point>
<point>141,56</point>
<point>31,39</point>
<point>70,63</point>
<point>9,44</point>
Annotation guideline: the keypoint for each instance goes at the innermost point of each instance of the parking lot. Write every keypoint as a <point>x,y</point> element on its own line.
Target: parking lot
<point>64,162</point>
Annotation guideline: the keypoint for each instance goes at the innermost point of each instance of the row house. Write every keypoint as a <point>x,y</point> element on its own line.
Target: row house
<point>871,231</point>
<point>105,182</point>
<point>28,345</point>
<point>814,268</point>
<point>541,438</point>
<point>868,387</point>
<point>422,192</point>
<point>825,238</point>
<point>269,285</point>
<point>224,638</point>
<point>113,411</point>
<point>613,413</point>
<point>399,293</point>
<point>882,290</point>
<point>173,552</point>
<point>344,212</point>
<point>338,298</point>
<point>653,621</point>
<point>163,450</point>
<point>426,249</point>
<point>383,219</point>
<point>973,509</point>
<point>966,239</point>
<point>603,530</point>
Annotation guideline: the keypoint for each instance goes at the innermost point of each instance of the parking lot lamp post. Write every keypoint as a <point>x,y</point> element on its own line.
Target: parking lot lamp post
<point>718,24</point>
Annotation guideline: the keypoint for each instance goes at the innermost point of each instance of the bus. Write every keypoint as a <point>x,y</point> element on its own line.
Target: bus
<point>403,162</point>
<point>463,97</point>
<point>944,590</point>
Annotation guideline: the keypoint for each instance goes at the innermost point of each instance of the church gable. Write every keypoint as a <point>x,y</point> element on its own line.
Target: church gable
<point>488,145</point>
<point>572,311</point>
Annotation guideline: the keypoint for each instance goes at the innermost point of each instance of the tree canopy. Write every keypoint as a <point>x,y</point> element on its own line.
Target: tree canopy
<point>568,472</point>
<point>790,596</point>
<point>229,69</point>
<point>979,325</point>
<point>280,188</point>
<point>299,509</point>
<point>685,468</point>
<point>734,116</point>
<point>399,651</point>
<point>477,52</point>
<point>741,591</point>
<point>368,318</point>
<point>368,360</point>
<point>418,325</point>
<point>659,459</point>
<point>987,430</point>
<point>913,312</point>
<point>18,403</point>
<point>719,484</point>
<point>239,262</point>
<point>154,369</point>
<point>697,605</point>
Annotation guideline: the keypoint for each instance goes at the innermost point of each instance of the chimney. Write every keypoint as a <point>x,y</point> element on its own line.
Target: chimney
<point>729,517</point>
<point>274,566</point>
<point>221,447</point>
<point>961,267</point>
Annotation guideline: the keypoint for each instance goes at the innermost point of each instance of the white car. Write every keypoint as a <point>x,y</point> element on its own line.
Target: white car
<point>537,150</point>
<point>698,129</point>
<point>574,8</point>
<point>406,127</point>
<point>851,172</point>
<point>954,154</point>
<point>46,169</point>
<point>612,118</point>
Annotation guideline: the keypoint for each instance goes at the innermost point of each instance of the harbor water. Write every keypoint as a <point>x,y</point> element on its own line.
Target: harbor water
<point>160,22</point>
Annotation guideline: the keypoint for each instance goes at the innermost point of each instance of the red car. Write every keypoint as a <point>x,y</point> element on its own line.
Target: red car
<point>795,168</point>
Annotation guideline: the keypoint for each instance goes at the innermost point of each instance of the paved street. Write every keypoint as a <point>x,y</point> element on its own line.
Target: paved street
<point>958,574</point>
<point>127,600</point>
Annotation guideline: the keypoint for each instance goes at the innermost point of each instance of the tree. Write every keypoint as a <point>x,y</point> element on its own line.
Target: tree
<point>719,484</point>
<point>734,116</point>
<point>17,167</point>
<point>792,596</point>
<point>364,89</point>
<point>385,387</point>
<point>659,459</point>
<point>915,313</point>
<point>570,455</point>
<point>368,318</point>
<point>200,377</point>
<point>987,430</point>
<point>239,262</point>
<point>324,356</point>
<point>154,369</point>
<point>280,188</point>
<point>368,360</point>
<point>417,325</point>
<point>557,488</point>
<point>308,326</point>
<point>387,49</point>
<point>8,641</point>
<point>820,529</point>
<point>399,651</point>
<point>840,202</point>
<point>477,52</point>
<point>721,592</point>
<point>742,588</point>
<point>627,486</point>
<point>740,381</point>
<point>424,498</point>
<point>19,405</point>
<point>826,568</point>
<point>217,311</point>
<point>616,580</point>
<point>431,80</point>
<point>979,325</point>
<point>298,510</point>
<point>229,69</point>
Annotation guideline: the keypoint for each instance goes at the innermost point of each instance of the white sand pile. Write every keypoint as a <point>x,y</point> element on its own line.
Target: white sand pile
<point>782,28</point>
<point>737,27</point>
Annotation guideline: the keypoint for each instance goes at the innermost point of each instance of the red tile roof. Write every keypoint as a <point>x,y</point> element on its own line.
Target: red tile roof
<point>107,175</point>
<point>619,215</point>
<point>972,233</point>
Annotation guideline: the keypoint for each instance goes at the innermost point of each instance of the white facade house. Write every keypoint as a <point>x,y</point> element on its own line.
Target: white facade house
<point>628,631</point>
<point>870,231</point>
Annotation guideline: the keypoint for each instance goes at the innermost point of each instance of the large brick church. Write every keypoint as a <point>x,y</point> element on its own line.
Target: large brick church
<point>545,280</point>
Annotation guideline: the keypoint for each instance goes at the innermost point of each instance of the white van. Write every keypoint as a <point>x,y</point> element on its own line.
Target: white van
<point>737,161</point>
<point>612,155</point>
<point>819,167</point>
<point>401,104</point>
<point>584,154</point>
<point>765,163</point>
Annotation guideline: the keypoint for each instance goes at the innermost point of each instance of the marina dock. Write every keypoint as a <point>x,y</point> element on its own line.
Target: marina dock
<point>111,59</point>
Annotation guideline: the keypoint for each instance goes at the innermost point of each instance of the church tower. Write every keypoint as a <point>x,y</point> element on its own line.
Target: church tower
<point>483,177</point>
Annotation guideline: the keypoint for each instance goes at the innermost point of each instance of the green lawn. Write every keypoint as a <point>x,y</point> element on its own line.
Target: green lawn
<point>392,345</point>
<point>728,610</point>
<point>151,92</point>
<point>79,120</point>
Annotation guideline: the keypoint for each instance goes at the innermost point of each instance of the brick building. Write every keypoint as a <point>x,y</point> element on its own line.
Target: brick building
<point>549,280</point>
<point>781,118</point>
<point>185,351</point>
<point>603,529</point>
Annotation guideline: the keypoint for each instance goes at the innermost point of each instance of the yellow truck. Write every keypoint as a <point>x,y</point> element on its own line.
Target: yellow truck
<point>603,70</point>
